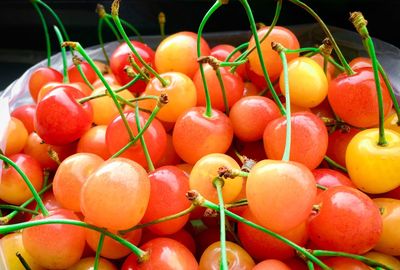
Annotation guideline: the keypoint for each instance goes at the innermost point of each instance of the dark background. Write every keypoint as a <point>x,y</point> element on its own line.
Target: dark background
<point>22,43</point>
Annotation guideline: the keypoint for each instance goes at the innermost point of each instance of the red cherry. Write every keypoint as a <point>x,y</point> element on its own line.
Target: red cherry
<point>75,76</point>
<point>40,77</point>
<point>25,113</point>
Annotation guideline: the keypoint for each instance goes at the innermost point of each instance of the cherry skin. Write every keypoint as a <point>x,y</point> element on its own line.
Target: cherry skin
<point>383,258</point>
<point>94,141</point>
<point>164,253</point>
<point>178,52</point>
<point>341,263</point>
<point>347,220</point>
<point>16,136</point>
<point>331,178</point>
<point>170,157</point>
<point>195,135</point>
<point>353,98</point>
<point>119,60</point>
<point>271,265</point>
<point>26,113</point>
<point>87,263</point>
<point>40,77</point>
<point>256,109</point>
<point>306,128</point>
<point>221,52</point>
<point>60,119</point>
<point>75,76</point>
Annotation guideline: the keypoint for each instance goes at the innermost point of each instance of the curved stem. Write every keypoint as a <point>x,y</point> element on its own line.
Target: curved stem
<point>391,92</point>
<point>46,33</point>
<point>112,27</point>
<point>261,57</point>
<point>79,67</point>
<point>335,164</point>
<point>101,41</point>
<point>18,209</point>
<point>150,164</point>
<point>215,6</point>
<point>221,83</point>
<point>98,251</point>
<point>63,54</point>
<point>328,33</point>
<point>218,183</point>
<point>286,153</point>
<point>237,49</point>
<point>28,183</point>
<point>132,28</point>
<point>23,225</point>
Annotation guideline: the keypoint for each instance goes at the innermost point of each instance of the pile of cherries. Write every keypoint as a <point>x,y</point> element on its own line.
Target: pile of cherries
<point>268,155</point>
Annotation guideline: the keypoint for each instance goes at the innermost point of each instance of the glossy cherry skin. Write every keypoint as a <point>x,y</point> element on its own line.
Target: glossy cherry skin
<point>331,178</point>
<point>25,113</point>
<point>306,128</point>
<point>221,52</point>
<point>195,135</point>
<point>164,253</point>
<point>16,136</point>
<point>119,60</point>
<point>40,77</point>
<point>60,119</point>
<point>94,141</point>
<point>341,263</point>
<point>155,136</point>
<point>87,263</point>
<point>271,265</point>
<point>75,76</point>
<point>347,220</point>
<point>383,258</point>
<point>354,99</point>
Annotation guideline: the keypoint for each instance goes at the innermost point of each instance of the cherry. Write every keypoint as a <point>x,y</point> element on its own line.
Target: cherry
<point>25,113</point>
<point>16,136</point>
<point>41,76</point>
<point>222,51</point>
<point>75,76</point>
<point>94,141</point>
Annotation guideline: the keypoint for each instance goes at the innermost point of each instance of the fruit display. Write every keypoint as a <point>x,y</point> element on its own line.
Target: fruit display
<point>184,151</point>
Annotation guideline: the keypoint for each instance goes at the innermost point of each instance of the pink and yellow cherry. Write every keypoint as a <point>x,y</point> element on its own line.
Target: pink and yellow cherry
<point>389,242</point>
<point>43,152</point>
<point>168,184</point>
<point>306,128</point>
<point>237,257</point>
<point>196,135</point>
<point>71,175</point>
<point>271,264</point>
<point>178,258</point>
<point>116,194</point>
<point>25,113</point>
<point>16,136</point>
<point>307,82</point>
<point>221,52</point>
<point>181,92</point>
<point>94,141</point>
<point>75,76</point>
<point>205,170</point>
<point>346,220</point>
<point>13,188</point>
<point>280,194</point>
<point>60,119</point>
<point>104,108</point>
<point>255,109</point>
<point>272,60</point>
<point>353,98</point>
<point>383,258</point>
<point>331,69</point>
<point>40,77</point>
<point>112,249</point>
<point>55,246</point>
<point>262,246</point>
<point>110,79</point>
<point>119,60</point>
<point>155,137</point>
<point>10,245</point>
<point>178,52</point>
<point>87,263</point>
<point>233,85</point>
<point>371,167</point>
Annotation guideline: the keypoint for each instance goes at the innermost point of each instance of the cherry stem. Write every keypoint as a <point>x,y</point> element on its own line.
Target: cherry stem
<point>215,6</point>
<point>46,33</point>
<point>260,55</point>
<point>28,183</point>
<point>368,261</point>
<point>198,199</point>
<point>150,164</point>
<point>218,184</point>
<point>321,187</point>
<point>237,203</point>
<point>273,23</point>
<point>63,54</point>
<point>161,22</point>
<point>160,220</point>
<point>335,164</point>
<point>281,50</point>
<point>117,21</point>
<point>4,229</point>
<point>98,251</point>
<point>128,25</point>
<point>237,49</point>
<point>310,265</point>
<point>101,40</point>
<point>22,261</point>
<point>77,62</point>
<point>10,216</point>
<point>391,92</point>
<point>221,83</point>
<point>18,209</point>
<point>81,50</point>
<point>360,24</point>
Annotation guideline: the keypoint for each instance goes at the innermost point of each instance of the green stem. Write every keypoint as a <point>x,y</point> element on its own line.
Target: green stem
<point>335,164</point>
<point>218,183</point>
<point>260,55</point>
<point>311,257</point>
<point>98,251</point>
<point>23,261</point>
<point>237,49</point>
<point>28,183</point>
<point>150,164</point>
<point>336,64</point>
<point>161,22</point>
<point>63,54</point>
<point>391,92</point>
<point>327,32</point>
<point>286,153</point>
<point>160,220</point>
<point>302,50</point>
<point>23,225</point>
<point>215,6</point>
<point>101,40</point>
<point>112,27</point>
<point>232,64</point>
<point>325,63</point>
<point>117,21</point>
<point>10,216</point>
<point>18,208</point>
<point>132,28</point>
<point>81,50</point>
<point>46,33</point>
<point>221,83</point>
<point>310,265</point>
<point>367,261</point>
<point>79,67</point>
<point>321,187</point>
